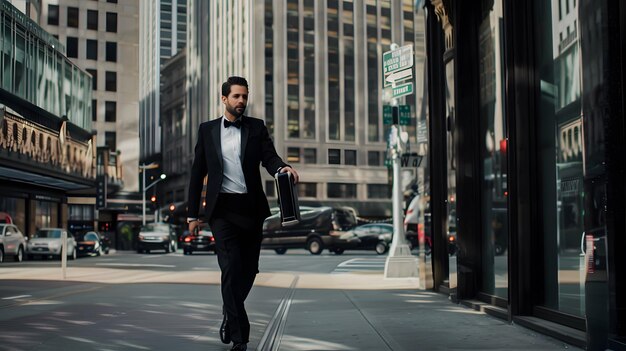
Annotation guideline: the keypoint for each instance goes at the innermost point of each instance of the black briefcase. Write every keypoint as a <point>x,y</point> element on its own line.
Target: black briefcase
<point>287,199</point>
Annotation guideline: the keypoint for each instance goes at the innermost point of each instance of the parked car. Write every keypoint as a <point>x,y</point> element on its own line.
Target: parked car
<point>373,236</point>
<point>156,236</point>
<point>47,242</point>
<point>202,241</point>
<point>12,242</point>
<point>90,243</point>
<point>319,228</point>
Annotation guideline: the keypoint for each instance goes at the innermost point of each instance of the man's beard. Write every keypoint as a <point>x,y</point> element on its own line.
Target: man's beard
<point>233,111</point>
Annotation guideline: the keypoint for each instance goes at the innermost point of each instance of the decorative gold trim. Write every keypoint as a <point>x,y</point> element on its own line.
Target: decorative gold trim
<point>24,138</point>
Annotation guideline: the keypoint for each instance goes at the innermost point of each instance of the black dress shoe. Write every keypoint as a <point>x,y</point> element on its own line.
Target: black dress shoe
<point>225,331</point>
<point>240,347</point>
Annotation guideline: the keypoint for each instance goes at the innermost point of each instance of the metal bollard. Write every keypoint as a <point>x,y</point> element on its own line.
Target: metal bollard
<point>64,253</point>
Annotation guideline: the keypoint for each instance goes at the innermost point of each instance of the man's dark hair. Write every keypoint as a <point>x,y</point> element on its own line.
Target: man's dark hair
<point>234,80</point>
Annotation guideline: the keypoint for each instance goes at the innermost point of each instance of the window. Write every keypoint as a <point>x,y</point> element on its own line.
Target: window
<point>341,190</point>
<point>92,49</point>
<point>310,156</point>
<point>94,110</point>
<point>110,111</point>
<point>109,140</point>
<point>92,19</point>
<point>72,47</point>
<point>112,22</point>
<point>94,78</point>
<point>111,51</point>
<point>112,1</point>
<point>307,189</point>
<point>293,155</point>
<point>334,156</point>
<point>72,17</point>
<point>350,157</point>
<point>378,191</point>
<point>53,15</point>
<point>110,81</point>
<point>373,158</point>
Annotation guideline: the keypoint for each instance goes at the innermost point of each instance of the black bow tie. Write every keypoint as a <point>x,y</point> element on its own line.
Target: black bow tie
<point>236,123</point>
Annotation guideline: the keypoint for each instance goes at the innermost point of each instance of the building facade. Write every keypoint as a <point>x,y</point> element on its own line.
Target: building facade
<point>102,37</point>
<point>47,150</point>
<point>163,32</point>
<point>526,127</point>
<point>315,75</point>
<point>175,134</point>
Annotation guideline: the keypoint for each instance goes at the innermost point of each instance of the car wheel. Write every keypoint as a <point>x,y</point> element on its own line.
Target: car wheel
<point>381,248</point>
<point>20,255</point>
<point>338,251</point>
<point>280,251</point>
<point>168,248</point>
<point>1,255</point>
<point>174,246</point>
<point>139,251</point>
<point>315,246</point>
<point>30,257</point>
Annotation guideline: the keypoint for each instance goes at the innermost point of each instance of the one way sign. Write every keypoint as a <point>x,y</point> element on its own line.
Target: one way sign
<point>410,160</point>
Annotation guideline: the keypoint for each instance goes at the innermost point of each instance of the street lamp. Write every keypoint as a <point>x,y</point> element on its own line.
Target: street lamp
<point>143,202</point>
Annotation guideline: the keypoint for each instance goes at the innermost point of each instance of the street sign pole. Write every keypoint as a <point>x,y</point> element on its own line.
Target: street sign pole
<point>400,263</point>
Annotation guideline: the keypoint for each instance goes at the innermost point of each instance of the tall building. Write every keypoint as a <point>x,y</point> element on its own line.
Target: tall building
<point>315,75</point>
<point>163,32</point>
<point>47,151</point>
<point>102,37</point>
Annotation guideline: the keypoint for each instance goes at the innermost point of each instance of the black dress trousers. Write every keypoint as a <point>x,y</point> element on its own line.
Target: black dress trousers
<point>237,229</point>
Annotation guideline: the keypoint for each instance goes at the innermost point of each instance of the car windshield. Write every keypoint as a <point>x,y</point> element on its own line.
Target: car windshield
<point>345,219</point>
<point>154,227</point>
<point>48,233</point>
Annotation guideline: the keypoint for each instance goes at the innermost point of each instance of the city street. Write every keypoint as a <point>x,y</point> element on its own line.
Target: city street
<point>130,301</point>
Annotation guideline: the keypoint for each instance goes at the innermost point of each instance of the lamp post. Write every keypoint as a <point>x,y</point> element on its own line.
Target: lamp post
<point>143,168</point>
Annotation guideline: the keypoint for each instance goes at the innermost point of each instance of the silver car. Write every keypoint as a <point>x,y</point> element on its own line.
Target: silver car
<point>47,242</point>
<point>12,242</point>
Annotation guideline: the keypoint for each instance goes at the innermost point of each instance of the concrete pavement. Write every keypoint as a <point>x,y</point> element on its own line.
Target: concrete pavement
<point>289,311</point>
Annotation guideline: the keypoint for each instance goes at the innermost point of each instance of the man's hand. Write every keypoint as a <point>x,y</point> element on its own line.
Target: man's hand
<point>293,173</point>
<point>193,225</point>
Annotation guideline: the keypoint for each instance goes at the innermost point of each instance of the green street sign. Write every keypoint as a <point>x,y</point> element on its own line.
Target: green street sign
<point>402,90</point>
<point>397,60</point>
<point>387,114</point>
<point>405,115</point>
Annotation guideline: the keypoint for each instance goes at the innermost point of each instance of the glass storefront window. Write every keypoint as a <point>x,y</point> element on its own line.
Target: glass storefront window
<point>14,208</point>
<point>493,154</point>
<point>560,147</point>
<point>46,214</point>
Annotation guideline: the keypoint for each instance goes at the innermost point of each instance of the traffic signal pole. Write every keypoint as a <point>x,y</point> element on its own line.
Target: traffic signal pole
<point>400,262</point>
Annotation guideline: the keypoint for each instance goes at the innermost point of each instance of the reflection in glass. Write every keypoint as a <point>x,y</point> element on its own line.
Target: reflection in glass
<point>493,154</point>
<point>560,146</point>
<point>334,121</point>
<point>451,229</point>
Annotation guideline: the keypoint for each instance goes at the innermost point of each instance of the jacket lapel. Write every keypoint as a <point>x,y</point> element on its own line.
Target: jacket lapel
<point>217,140</point>
<point>244,137</point>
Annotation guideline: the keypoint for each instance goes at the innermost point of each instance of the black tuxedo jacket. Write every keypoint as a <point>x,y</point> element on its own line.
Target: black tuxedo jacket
<point>256,148</point>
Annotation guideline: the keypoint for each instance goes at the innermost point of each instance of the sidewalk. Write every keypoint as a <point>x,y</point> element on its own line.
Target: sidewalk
<point>289,311</point>
<point>406,319</point>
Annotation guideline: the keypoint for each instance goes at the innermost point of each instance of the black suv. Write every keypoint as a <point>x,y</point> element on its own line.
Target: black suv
<point>319,228</point>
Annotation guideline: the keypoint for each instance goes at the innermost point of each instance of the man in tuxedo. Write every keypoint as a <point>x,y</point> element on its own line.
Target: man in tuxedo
<point>229,151</point>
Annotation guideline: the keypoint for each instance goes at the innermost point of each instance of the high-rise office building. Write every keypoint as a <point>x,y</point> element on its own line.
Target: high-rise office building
<point>102,37</point>
<point>163,28</point>
<point>315,75</point>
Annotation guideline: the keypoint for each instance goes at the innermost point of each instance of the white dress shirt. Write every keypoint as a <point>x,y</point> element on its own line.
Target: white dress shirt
<point>233,181</point>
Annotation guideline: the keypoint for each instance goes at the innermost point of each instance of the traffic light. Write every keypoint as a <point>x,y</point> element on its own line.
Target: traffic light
<point>153,198</point>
